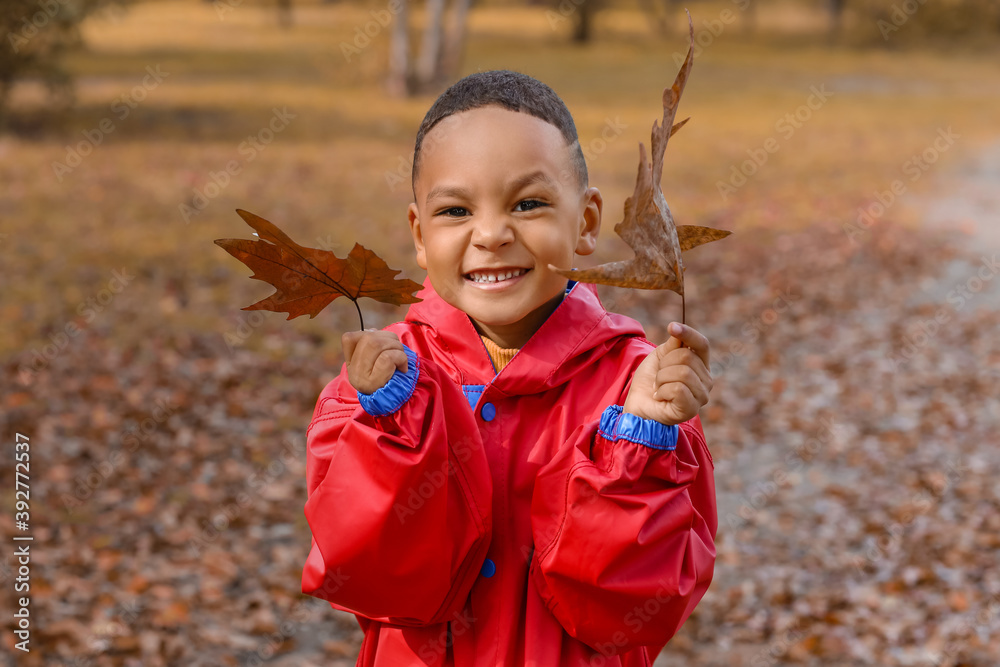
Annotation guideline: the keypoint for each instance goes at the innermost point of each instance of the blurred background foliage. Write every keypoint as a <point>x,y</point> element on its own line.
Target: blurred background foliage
<point>115,300</point>
<point>42,34</point>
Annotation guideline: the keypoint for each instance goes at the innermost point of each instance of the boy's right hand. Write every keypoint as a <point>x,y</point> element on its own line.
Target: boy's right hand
<point>372,356</point>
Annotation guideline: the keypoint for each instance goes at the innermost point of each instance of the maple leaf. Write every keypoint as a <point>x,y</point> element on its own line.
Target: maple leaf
<point>648,226</point>
<point>306,280</point>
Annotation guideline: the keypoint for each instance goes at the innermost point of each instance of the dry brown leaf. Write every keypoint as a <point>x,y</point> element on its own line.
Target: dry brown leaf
<point>306,280</point>
<point>648,226</point>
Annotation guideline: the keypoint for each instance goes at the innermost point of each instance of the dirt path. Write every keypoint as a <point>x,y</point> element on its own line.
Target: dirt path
<point>967,201</point>
<point>964,200</point>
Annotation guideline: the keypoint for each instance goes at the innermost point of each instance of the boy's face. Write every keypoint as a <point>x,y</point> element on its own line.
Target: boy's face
<point>497,194</point>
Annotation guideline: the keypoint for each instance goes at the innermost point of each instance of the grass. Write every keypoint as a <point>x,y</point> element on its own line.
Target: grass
<point>324,177</point>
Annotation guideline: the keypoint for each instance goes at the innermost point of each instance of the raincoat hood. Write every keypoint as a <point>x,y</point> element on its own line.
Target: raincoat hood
<point>576,333</point>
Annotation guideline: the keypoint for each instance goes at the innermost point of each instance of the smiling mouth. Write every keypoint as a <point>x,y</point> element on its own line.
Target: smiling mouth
<point>485,277</point>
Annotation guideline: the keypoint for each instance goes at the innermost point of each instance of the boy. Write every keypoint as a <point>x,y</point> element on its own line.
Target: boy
<point>568,518</point>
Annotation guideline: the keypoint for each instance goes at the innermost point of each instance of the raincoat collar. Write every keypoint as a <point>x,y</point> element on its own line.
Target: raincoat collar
<point>575,334</point>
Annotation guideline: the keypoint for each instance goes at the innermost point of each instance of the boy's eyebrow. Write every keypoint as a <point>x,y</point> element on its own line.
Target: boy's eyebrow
<point>537,176</point>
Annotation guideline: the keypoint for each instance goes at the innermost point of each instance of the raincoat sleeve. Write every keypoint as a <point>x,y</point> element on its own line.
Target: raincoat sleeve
<point>399,496</point>
<point>624,525</point>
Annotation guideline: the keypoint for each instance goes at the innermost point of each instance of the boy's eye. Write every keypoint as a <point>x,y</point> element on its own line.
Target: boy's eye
<point>454,211</point>
<point>530,203</point>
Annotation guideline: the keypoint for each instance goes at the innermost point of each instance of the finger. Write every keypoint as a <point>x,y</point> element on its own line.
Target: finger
<point>681,407</point>
<point>349,342</point>
<point>386,364</point>
<point>666,348</point>
<point>689,358</point>
<point>380,342</point>
<point>691,338</point>
<point>390,341</point>
<point>672,380</point>
<point>401,360</point>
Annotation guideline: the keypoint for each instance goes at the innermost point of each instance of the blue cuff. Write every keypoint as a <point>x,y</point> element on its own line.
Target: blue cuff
<point>616,424</point>
<point>390,397</point>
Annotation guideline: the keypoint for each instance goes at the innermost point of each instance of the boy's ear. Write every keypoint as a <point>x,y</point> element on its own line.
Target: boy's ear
<point>590,221</point>
<point>418,238</point>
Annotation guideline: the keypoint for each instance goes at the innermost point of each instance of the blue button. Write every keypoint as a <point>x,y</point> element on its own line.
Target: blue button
<point>488,411</point>
<point>489,568</point>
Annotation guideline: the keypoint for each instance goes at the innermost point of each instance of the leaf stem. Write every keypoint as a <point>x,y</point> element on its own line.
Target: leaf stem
<point>683,313</point>
<point>360,316</point>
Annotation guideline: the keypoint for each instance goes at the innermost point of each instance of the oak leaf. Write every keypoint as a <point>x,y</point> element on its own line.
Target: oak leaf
<point>306,280</point>
<point>648,226</point>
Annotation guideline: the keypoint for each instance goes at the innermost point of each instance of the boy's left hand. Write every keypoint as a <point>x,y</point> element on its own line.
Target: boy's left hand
<point>672,382</point>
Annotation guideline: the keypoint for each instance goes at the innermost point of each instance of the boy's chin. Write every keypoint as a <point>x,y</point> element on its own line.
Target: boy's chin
<point>496,317</point>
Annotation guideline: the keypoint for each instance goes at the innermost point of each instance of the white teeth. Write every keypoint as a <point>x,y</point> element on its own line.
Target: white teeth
<point>495,277</point>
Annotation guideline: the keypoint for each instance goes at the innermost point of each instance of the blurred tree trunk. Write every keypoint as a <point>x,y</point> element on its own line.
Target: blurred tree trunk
<point>38,37</point>
<point>836,9</point>
<point>285,13</point>
<point>584,21</point>
<point>649,7</point>
<point>428,63</point>
<point>399,53</point>
<point>454,47</point>
<point>4,93</point>
<point>751,15</point>
<point>440,50</point>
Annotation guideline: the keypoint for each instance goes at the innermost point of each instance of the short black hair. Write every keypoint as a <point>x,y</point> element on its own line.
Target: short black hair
<point>510,90</point>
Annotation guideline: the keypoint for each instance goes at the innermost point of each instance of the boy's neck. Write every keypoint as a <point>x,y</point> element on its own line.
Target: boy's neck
<point>516,334</point>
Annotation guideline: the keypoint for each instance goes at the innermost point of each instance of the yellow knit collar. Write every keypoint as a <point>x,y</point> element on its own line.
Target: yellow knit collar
<point>500,356</point>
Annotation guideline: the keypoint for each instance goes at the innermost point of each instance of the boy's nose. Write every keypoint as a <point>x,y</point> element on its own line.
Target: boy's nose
<point>492,232</point>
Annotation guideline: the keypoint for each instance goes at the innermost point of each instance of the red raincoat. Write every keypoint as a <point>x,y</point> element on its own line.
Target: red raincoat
<point>542,527</point>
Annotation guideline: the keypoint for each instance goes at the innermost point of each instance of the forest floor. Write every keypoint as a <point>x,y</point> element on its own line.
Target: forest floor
<point>854,417</point>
